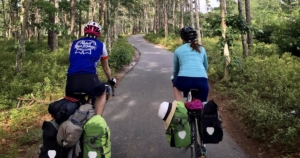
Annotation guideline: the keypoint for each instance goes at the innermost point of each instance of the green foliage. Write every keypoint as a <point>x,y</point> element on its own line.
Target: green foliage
<point>31,136</point>
<point>267,93</point>
<point>212,21</point>
<point>122,53</point>
<point>286,33</point>
<point>44,73</point>
<point>24,127</point>
<point>171,42</point>
<point>238,23</point>
<point>263,49</point>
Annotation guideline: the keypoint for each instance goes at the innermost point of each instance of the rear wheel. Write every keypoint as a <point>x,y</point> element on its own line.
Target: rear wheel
<point>195,147</point>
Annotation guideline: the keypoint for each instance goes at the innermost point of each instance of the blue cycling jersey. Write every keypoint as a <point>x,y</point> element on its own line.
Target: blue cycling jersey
<point>85,54</point>
<point>190,63</point>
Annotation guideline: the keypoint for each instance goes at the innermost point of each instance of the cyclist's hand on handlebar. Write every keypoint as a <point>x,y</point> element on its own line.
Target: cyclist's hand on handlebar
<point>112,82</point>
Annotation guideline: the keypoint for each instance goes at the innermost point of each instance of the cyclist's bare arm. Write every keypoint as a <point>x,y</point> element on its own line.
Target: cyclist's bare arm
<point>106,69</point>
<point>104,63</point>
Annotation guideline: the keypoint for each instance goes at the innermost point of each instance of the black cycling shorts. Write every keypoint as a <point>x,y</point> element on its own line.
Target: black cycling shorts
<point>84,83</point>
<point>184,84</point>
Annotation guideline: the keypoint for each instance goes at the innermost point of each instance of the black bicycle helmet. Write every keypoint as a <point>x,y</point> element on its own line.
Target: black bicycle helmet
<point>188,34</point>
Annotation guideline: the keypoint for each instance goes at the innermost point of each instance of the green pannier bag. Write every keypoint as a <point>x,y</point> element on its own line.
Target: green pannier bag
<point>96,138</point>
<point>179,132</point>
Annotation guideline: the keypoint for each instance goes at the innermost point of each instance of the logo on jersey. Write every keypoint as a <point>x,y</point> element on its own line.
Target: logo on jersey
<point>85,46</point>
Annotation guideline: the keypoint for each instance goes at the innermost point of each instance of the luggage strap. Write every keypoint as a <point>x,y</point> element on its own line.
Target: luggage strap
<point>74,100</point>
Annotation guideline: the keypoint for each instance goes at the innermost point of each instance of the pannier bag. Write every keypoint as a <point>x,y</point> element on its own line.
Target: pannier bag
<point>62,109</point>
<point>49,141</point>
<point>179,133</point>
<point>69,132</point>
<point>211,124</point>
<point>96,138</point>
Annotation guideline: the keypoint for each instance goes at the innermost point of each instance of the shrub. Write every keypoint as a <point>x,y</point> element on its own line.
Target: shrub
<point>262,49</point>
<point>121,54</point>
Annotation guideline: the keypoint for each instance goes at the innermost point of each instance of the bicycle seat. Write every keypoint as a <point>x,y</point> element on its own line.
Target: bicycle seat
<point>194,90</point>
<point>107,88</point>
<point>80,93</point>
<point>194,112</point>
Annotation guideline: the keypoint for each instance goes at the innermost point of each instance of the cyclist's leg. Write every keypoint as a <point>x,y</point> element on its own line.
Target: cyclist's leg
<point>177,92</point>
<point>100,94</point>
<point>203,86</point>
<point>185,84</point>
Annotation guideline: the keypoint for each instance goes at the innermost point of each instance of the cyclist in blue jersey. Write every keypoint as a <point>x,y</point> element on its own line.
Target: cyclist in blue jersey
<point>190,66</point>
<point>85,53</point>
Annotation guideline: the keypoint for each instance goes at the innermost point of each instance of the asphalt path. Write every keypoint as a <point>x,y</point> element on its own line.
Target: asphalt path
<point>136,130</point>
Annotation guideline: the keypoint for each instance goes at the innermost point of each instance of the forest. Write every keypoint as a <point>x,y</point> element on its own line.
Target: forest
<point>253,50</point>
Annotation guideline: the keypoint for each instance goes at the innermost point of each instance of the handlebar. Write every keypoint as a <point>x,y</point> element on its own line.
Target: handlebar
<point>110,90</point>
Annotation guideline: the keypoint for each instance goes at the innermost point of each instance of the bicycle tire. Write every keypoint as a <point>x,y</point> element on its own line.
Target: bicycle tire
<point>194,146</point>
<point>202,149</point>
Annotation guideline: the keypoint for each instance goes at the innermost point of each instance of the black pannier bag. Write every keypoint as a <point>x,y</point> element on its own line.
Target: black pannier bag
<point>211,124</point>
<point>50,129</point>
<point>62,109</point>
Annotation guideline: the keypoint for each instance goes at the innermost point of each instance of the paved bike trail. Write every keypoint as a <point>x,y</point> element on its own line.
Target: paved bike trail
<point>136,130</point>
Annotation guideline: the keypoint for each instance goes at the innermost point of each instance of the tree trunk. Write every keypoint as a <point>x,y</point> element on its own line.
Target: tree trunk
<point>4,19</point>
<point>39,32</point>
<point>244,42</point>
<point>109,39</point>
<point>165,18</point>
<point>198,22</point>
<point>65,21</point>
<point>226,49</point>
<point>192,14</point>
<point>80,21</point>
<point>31,29</point>
<point>52,35</point>
<point>173,16</point>
<point>116,25</point>
<point>13,18</point>
<point>131,22</point>
<point>147,20</point>
<point>248,19</point>
<point>182,8</point>
<point>93,10</point>
<point>72,15</point>
<point>21,49</point>
<point>56,19</point>
<point>161,17</point>
<point>101,13</point>
<point>156,17</point>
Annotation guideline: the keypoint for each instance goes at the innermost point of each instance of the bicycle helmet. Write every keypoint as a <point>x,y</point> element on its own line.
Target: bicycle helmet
<point>188,34</point>
<point>92,28</point>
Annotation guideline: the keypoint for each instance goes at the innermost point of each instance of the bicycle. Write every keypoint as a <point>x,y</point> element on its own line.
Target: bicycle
<point>83,98</point>
<point>194,118</point>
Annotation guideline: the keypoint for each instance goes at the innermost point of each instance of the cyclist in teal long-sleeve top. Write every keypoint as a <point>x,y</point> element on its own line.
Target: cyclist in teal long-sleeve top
<point>190,62</point>
<point>190,66</point>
